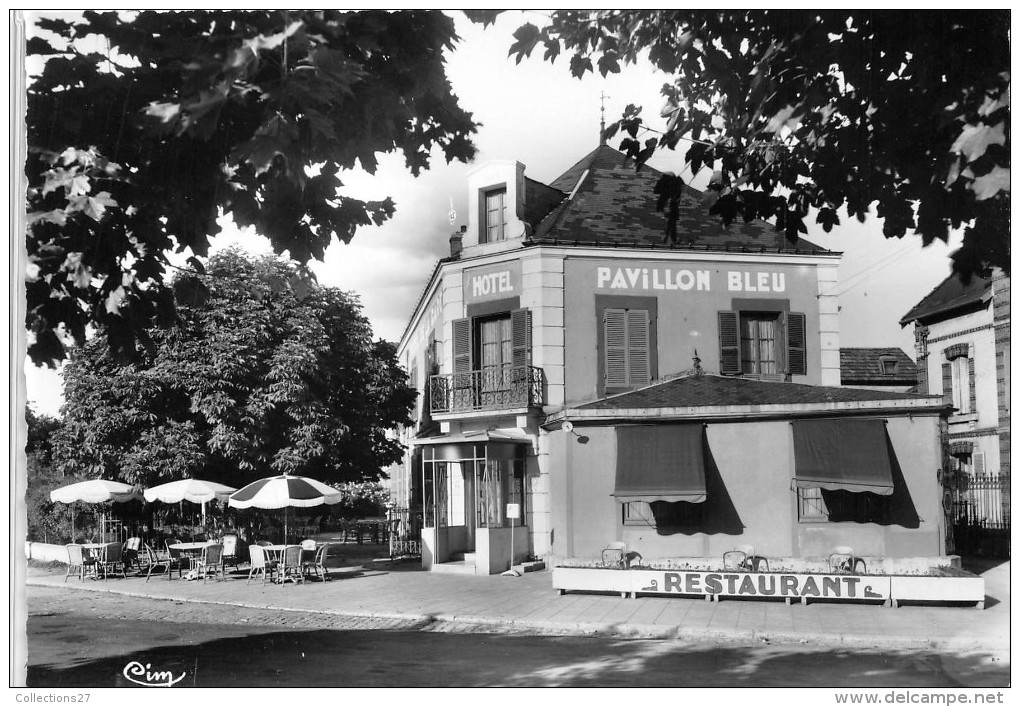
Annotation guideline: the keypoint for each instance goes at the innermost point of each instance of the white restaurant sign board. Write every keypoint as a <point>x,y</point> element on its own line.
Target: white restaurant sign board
<point>726,584</point>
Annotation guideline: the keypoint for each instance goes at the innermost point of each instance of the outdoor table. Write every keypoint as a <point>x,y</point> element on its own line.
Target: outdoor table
<point>275,552</point>
<point>189,549</point>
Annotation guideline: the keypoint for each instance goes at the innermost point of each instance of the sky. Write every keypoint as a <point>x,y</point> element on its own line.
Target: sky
<point>538,114</point>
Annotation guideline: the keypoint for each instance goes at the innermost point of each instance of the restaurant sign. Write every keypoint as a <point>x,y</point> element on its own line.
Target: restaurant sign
<point>755,584</point>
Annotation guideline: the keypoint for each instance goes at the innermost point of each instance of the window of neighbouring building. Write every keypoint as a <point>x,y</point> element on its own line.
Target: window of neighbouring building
<point>495,214</point>
<point>888,365</point>
<point>626,343</point>
<point>958,379</point>
<point>762,339</point>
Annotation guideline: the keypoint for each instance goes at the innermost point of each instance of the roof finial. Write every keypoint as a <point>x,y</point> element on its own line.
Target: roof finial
<point>602,122</point>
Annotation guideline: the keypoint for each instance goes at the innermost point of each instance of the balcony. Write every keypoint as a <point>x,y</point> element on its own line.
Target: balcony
<point>504,389</point>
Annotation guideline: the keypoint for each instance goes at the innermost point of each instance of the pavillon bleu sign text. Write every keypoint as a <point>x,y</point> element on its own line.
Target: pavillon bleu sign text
<point>624,278</point>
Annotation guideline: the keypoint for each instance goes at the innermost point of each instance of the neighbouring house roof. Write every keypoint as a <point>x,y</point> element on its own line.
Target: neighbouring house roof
<point>952,295</point>
<point>709,395</point>
<point>864,366</point>
<point>614,205</point>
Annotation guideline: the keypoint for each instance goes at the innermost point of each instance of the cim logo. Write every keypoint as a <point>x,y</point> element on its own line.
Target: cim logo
<point>144,675</point>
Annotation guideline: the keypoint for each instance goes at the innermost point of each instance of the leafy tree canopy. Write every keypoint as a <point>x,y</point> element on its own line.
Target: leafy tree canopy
<point>253,382</point>
<point>802,112</point>
<point>144,127</point>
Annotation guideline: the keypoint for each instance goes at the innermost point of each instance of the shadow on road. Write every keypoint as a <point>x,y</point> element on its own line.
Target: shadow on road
<point>69,652</point>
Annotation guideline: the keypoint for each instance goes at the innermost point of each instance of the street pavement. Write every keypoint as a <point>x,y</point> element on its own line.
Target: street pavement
<point>383,594</point>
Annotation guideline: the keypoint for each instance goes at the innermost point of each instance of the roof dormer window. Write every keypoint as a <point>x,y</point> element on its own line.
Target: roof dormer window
<point>495,215</point>
<point>888,365</point>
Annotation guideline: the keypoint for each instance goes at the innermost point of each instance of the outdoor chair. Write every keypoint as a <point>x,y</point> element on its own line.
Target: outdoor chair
<point>264,543</point>
<point>111,556</point>
<point>743,557</point>
<point>615,555</point>
<point>156,560</point>
<point>177,561</point>
<point>132,548</point>
<point>79,562</point>
<point>259,564</point>
<point>211,561</point>
<point>317,565</point>
<point>842,560</point>
<point>230,551</point>
<point>290,564</point>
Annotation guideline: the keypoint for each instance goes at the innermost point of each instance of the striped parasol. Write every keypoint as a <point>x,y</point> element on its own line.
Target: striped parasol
<point>284,491</point>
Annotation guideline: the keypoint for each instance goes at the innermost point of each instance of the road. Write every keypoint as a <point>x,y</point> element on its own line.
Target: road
<point>87,639</point>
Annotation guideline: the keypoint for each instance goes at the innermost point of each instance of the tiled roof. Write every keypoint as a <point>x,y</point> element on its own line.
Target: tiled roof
<point>712,391</point>
<point>615,205</point>
<point>950,295</point>
<point>863,366</point>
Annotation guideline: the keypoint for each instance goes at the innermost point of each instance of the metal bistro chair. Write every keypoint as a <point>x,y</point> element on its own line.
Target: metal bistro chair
<point>843,560</point>
<point>260,564</point>
<point>132,552</point>
<point>290,565</point>
<point>743,557</point>
<point>79,562</point>
<point>615,555</point>
<point>211,561</point>
<point>178,560</point>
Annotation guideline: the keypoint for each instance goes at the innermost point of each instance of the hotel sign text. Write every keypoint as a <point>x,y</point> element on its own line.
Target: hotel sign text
<point>624,278</point>
<point>491,283</point>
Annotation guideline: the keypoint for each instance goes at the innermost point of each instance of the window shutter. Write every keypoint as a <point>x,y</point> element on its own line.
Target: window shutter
<point>615,326</point>
<point>947,383</point>
<point>978,460</point>
<point>461,345</point>
<point>729,344</point>
<point>796,344</point>
<point>638,353</point>
<point>520,323</point>
<point>972,389</point>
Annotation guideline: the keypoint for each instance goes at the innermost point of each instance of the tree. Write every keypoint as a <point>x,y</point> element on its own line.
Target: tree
<point>47,521</point>
<point>253,381</point>
<point>802,112</point>
<point>144,127</point>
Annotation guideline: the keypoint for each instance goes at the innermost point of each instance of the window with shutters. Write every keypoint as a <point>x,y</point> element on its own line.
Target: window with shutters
<point>626,342</point>
<point>627,351</point>
<point>767,344</point>
<point>816,505</point>
<point>663,514</point>
<point>958,379</point>
<point>495,213</point>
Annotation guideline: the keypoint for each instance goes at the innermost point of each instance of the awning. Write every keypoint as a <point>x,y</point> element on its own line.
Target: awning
<point>842,455</point>
<point>660,463</point>
<point>957,449</point>
<point>476,444</point>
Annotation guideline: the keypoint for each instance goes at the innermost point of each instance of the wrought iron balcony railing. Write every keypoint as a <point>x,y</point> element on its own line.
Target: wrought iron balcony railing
<point>504,388</point>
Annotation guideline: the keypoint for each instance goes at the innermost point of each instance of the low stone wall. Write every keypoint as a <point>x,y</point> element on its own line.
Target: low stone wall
<point>45,552</point>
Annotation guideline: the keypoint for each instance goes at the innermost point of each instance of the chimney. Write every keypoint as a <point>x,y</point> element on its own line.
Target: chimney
<point>457,241</point>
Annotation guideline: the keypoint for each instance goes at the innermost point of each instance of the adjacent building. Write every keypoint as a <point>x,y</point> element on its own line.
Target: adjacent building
<point>961,332</point>
<point>877,368</point>
<point>585,381</point>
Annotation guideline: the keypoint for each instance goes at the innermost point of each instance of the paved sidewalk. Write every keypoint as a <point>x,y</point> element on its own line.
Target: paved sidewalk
<point>400,593</point>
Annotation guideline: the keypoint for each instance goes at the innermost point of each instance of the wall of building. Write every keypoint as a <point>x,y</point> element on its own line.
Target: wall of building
<point>749,471</point>
<point>687,311</point>
<point>1000,314</point>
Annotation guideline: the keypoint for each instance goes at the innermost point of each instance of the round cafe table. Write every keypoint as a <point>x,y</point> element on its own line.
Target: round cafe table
<point>190,549</point>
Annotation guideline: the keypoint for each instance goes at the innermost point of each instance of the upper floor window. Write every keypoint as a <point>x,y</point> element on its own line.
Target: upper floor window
<point>495,215</point>
<point>626,342</point>
<point>958,379</point>
<point>762,343</point>
<point>888,366</point>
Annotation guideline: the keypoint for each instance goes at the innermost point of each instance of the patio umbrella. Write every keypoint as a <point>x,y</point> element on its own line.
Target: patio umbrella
<point>284,491</point>
<point>193,490</point>
<point>95,491</point>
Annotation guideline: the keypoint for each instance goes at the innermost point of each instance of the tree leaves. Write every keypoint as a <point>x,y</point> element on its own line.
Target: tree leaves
<point>903,110</point>
<point>203,113</point>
